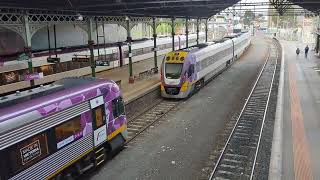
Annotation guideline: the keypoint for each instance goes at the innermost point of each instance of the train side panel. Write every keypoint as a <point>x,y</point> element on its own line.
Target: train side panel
<point>202,64</point>
<point>73,135</point>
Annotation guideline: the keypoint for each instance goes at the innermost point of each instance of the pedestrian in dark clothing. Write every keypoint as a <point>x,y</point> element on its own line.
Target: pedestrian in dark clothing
<point>298,51</point>
<point>306,50</point>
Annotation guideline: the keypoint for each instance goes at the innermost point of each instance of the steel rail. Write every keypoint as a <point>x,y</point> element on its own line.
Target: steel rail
<point>157,118</point>
<point>238,119</point>
<point>263,121</point>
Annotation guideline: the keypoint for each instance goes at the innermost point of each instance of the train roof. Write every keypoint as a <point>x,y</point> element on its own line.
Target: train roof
<point>19,101</point>
<point>195,48</point>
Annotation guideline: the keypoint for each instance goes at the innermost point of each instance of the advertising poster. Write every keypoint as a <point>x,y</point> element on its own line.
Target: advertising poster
<point>33,76</point>
<point>30,152</point>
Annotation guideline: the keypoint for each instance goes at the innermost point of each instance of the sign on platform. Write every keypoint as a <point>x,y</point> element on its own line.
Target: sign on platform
<point>23,57</point>
<point>102,63</point>
<point>33,76</point>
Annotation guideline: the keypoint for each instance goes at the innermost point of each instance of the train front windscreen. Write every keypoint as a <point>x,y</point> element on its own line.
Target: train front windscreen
<point>173,70</point>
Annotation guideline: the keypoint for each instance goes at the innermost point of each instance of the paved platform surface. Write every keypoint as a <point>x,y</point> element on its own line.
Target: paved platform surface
<point>130,91</point>
<point>179,146</point>
<point>301,118</point>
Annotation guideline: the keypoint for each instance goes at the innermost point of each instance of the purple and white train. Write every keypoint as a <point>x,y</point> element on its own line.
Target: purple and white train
<point>60,130</point>
<point>185,71</point>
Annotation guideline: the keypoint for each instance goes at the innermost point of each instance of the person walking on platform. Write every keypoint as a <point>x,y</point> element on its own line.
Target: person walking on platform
<point>306,50</point>
<point>298,51</point>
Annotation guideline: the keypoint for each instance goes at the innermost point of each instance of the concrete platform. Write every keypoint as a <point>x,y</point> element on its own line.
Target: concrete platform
<point>130,91</point>
<point>301,115</point>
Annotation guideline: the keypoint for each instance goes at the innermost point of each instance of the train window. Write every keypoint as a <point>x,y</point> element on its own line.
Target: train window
<point>27,152</point>
<point>117,107</point>
<point>68,132</point>
<point>99,116</point>
<point>173,70</point>
<point>191,70</point>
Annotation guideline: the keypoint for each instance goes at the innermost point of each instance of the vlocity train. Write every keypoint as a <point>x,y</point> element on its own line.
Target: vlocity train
<point>185,71</point>
<point>60,130</point>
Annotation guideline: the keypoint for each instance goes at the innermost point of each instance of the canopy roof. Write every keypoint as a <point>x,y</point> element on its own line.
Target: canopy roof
<point>158,8</point>
<point>311,5</point>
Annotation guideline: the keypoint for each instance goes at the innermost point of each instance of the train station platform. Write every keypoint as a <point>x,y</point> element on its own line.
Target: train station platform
<point>300,114</point>
<point>141,84</point>
<point>120,75</point>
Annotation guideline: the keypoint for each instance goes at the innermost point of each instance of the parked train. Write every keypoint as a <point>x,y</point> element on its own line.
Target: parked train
<point>116,55</point>
<point>60,130</point>
<point>185,71</point>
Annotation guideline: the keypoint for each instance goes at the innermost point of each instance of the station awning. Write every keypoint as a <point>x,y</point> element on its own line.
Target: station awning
<point>157,8</point>
<point>162,8</point>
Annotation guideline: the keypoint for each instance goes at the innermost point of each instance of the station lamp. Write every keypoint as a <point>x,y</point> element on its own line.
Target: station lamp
<point>79,17</point>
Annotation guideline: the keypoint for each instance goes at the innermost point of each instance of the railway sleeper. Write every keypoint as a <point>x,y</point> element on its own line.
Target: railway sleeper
<point>138,123</point>
<point>133,129</point>
<point>235,156</point>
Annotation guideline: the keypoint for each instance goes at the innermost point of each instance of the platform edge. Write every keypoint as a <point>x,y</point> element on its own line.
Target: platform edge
<point>275,168</point>
<point>150,89</point>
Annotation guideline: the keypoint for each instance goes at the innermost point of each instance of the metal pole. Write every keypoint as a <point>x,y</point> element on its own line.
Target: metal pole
<point>91,43</point>
<point>254,10</point>
<point>120,54</point>
<point>55,40</point>
<point>233,15</point>
<point>104,43</point>
<point>206,30</point>
<point>97,39</point>
<point>172,33</point>
<point>187,33</point>
<point>197,31</point>
<point>155,43</point>
<point>129,39</point>
<point>28,48</point>
<point>49,43</point>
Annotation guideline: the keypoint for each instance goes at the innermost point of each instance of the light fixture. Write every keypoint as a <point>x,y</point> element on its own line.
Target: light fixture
<point>79,17</point>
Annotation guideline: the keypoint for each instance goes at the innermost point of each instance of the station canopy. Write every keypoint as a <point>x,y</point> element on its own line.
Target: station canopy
<point>157,8</point>
<point>311,5</point>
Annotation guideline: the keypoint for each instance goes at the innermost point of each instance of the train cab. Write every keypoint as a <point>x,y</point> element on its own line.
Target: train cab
<point>176,74</point>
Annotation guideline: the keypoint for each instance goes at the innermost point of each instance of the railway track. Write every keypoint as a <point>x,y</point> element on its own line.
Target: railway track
<point>238,157</point>
<point>139,124</point>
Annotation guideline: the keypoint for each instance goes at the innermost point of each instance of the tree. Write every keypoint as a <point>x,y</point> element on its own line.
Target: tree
<point>248,17</point>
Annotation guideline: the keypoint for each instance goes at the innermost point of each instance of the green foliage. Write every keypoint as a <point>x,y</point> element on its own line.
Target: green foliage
<point>164,28</point>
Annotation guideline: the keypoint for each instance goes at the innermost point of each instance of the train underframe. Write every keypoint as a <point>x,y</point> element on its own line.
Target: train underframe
<point>92,159</point>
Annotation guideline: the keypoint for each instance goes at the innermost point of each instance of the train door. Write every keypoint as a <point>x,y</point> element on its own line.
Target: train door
<point>99,129</point>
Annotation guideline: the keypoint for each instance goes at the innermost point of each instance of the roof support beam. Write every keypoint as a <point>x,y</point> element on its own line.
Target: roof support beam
<point>172,33</point>
<point>28,48</point>
<point>91,43</point>
<point>154,27</point>
<point>187,33</point>
<point>129,41</point>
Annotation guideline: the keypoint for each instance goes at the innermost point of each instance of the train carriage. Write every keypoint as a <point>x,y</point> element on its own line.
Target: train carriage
<point>184,71</point>
<point>60,130</point>
<point>115,54</point>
